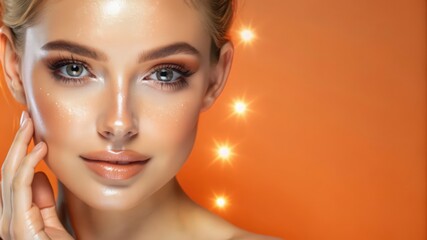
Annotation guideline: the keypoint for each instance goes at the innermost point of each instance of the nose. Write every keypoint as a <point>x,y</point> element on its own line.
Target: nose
<point>118,122</point>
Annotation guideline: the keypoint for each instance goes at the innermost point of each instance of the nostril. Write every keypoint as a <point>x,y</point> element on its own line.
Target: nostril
<point>130,134</point>
<point>110,135</point>
<point>107,134</point>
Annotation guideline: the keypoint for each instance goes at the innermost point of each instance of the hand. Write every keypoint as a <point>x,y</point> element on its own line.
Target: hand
<point>27,206</point>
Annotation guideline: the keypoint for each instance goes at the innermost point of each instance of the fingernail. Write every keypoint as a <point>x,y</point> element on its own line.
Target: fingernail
<point>23,118</point>
<point>38,146</point>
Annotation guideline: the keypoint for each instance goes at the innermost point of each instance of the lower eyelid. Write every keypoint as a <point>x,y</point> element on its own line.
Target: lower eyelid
<point>173,86</point>
<point>58,76</point>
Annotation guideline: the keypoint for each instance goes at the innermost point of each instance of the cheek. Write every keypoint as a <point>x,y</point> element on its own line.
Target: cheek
<point>170,124</point>
<point>59,117</point>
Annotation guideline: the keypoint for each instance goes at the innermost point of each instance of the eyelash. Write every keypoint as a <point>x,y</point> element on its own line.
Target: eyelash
<point>181,82</point>
<point>56,64</point>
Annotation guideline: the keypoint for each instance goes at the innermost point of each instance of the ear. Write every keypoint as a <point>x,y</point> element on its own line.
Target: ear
<point>10,62</point>
<point>219,75</point>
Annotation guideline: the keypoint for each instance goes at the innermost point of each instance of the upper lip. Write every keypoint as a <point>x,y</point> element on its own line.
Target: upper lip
<point>115,156</point>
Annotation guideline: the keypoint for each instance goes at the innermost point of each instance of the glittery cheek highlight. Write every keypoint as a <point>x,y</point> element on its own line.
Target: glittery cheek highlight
<point>63,119</point>
<point>57,112</point>
<point>171,123</point>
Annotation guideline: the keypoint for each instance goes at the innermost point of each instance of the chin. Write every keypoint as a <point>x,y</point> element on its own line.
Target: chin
<point>110,198</point>
<point>107,205</point>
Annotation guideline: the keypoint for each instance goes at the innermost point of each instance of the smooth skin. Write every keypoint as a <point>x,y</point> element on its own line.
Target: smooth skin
<point>117,103</point>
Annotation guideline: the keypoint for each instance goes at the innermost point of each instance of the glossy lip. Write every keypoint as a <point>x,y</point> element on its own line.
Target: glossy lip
<point>119,156</point>
<point>120,165</point>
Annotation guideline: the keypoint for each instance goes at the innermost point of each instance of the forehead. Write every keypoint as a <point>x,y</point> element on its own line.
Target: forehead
<point>121,23</point>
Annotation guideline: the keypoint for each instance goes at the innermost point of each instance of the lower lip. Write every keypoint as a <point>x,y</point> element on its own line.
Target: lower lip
<point>115,171</point>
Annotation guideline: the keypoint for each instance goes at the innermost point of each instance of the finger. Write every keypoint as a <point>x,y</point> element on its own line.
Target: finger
<point>51,219</point>
<point>2,232</point>
<point>26,215</point>
<point>14,157</point>
<point>12,161</point>
<point>44,198</point>
<point>18,148</point>
<point>21,186</point>
<point>1,204</point>
<point>42,215</point>
<point>42,191</point>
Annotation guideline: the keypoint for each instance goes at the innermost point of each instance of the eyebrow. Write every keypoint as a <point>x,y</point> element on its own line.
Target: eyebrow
<point>160,52</point>
<point>172,49</point>
<point>75,48</point>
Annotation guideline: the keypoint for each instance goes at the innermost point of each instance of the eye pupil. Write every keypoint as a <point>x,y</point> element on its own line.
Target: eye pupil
<point>74,70</point>
<point>165,74</point>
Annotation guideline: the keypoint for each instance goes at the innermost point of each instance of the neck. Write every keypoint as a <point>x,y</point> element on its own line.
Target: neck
<point>147,220</point>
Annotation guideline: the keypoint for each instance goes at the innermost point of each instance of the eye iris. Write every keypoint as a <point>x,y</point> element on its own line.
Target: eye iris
<point>74,70</point>
<point>165,74</point>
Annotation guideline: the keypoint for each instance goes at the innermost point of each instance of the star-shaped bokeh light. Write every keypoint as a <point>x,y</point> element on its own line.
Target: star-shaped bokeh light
<point>247,35</point>
<point>240,107</point>
<point>221,202</point>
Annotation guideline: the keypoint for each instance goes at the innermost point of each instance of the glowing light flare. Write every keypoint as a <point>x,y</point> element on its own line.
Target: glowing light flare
<point>221,202</point>
<point>224,152</point>
<point>247,35</point>
<point>240,107</point>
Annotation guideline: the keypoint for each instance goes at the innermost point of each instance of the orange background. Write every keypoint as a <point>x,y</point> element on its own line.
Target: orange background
<point>334,146</point>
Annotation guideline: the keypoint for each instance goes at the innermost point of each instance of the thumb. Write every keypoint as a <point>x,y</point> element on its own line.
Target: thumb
<point>44,199</point>
<point>42,191</point>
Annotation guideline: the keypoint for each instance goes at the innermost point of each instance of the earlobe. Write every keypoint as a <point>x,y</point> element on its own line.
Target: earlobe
<point>220,72</point>
<point>11,65</point>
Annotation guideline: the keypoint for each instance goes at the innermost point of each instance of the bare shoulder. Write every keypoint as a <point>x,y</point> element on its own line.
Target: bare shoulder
<point>218,228</point>
<point>207,225</point>
<point>252,236</point>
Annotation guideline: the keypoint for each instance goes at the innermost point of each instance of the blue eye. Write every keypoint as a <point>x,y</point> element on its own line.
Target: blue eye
<point>169,77</point>
<point>73,70</point>
<point>165,74</point>
<point>70,71</point>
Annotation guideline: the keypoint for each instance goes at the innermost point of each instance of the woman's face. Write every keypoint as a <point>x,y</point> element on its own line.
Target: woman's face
<point>115,75</point>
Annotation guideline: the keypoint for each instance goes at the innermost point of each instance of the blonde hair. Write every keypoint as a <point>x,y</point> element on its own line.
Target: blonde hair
<point>220,15</point>
<point>20,14</point>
